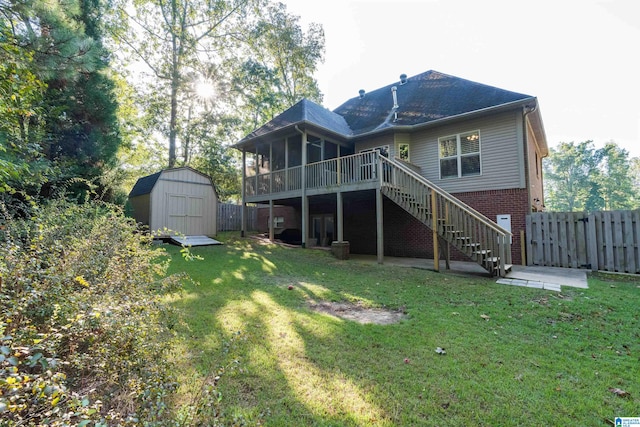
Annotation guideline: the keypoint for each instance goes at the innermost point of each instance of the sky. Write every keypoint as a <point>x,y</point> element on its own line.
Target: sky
<point>580,58</point>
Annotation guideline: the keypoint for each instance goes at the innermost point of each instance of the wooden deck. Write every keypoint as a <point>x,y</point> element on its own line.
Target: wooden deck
<point>451,221</point>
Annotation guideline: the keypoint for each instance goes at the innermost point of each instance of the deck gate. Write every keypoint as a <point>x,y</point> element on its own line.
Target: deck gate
<point>603,240</point>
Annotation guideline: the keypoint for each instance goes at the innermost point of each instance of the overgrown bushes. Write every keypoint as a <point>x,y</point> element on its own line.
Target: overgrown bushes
<point>83,331</point>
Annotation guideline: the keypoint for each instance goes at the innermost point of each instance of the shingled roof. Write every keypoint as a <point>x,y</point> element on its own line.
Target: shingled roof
<point>305,111</point>
<point>144,185</point>
<point>421,99</point>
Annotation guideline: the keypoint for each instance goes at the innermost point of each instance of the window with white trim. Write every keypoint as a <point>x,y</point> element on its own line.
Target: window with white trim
<point>459,155</point>
<point>403,151</point>
<point>278,222</point>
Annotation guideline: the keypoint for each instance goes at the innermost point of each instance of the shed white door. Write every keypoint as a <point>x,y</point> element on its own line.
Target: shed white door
<point>185,214</point>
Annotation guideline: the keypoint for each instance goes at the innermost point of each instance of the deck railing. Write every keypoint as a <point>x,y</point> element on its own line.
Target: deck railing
<point>357,168</point>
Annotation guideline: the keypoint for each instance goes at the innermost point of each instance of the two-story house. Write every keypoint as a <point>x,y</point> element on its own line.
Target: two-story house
<point>429,166</point>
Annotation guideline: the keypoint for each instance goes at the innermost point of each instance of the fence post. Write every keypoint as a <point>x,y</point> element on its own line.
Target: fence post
<point>523,245</point>
<point>592,242</point>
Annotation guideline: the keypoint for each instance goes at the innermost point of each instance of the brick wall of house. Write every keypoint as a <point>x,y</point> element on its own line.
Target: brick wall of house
<point>405,236</point>
<point>492,203</point>
<point>289,213</point>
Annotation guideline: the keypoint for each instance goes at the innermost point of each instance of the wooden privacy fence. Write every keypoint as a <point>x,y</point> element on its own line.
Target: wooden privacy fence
<point>603,240</point>
<point>230,217</point>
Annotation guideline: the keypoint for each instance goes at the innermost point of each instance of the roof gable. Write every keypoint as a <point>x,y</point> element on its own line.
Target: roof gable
<point>423,98</point>
<point>305,111</point>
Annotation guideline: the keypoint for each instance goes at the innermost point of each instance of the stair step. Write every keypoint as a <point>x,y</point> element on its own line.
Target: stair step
<point>471,245</point>
<point>483,252</point>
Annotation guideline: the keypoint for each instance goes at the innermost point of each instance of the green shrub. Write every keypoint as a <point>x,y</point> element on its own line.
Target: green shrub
<point>83,331</point>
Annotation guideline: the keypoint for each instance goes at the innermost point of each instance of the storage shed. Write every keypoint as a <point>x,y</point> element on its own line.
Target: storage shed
<point>182,200</point>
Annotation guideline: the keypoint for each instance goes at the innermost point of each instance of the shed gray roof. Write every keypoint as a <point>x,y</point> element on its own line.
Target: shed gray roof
<point>144,185</point>
<point>424,98</point>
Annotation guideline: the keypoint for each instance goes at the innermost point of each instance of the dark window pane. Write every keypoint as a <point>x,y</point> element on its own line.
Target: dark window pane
<point>470,165</point>
<point>448,168</point>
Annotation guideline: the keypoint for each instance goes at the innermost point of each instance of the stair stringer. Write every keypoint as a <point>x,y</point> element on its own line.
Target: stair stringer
<point>473,234</point>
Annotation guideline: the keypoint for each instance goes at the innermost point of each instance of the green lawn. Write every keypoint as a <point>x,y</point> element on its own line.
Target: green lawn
<point>514,356</point>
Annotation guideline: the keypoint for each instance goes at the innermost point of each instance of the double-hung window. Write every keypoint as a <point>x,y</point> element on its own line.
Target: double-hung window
<point>459,155</point>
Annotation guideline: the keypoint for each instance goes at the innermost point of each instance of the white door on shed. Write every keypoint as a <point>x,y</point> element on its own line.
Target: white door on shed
<point>176,213</point>
<point>195,216</point>
<point>185,214</point>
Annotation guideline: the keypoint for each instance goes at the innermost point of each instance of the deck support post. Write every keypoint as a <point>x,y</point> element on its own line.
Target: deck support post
<point>340,216</point>
<point>379,226</point>
<point>305,199</point>
<point>434,230</point>
<point>271,233</point>
<point>305,220</point>
<point>243,213</point>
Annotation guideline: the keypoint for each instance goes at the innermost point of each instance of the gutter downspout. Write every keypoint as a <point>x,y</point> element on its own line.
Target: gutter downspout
<point>527,180</point>
<point>303,183</point>
<point>525,141</point>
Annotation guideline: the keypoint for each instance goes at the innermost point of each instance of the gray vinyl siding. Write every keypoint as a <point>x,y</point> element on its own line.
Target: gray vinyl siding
<point>501,156</point>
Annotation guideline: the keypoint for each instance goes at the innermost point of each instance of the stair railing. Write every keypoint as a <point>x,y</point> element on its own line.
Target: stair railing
<point>457,223</point>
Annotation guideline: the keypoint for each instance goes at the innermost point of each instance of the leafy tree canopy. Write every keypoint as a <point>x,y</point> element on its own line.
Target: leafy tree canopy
<point>579,177</point>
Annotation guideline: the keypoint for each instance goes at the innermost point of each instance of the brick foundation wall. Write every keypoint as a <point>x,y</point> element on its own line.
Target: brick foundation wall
<point>492,203</point>
<point>405,236</point>
<point>290,214</point>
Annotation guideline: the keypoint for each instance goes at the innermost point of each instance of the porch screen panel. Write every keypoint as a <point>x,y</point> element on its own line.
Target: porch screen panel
<point>295,151</point>
<point>314,149</point>
<point>277,150</point>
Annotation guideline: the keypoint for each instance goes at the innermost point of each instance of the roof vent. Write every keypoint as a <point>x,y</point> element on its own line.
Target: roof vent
<point>395,97</point>
<point>394,91</point>
<point>361,92</point>
<point>403,79</point>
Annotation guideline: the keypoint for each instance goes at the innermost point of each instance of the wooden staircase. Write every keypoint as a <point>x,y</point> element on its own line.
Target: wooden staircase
<point>454,222</point>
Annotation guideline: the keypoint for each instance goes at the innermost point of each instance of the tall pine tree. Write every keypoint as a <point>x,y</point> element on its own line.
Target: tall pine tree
<point>81,123</point>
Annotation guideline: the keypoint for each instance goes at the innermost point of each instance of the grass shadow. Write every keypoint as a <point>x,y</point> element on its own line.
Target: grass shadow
<point>532,356</point>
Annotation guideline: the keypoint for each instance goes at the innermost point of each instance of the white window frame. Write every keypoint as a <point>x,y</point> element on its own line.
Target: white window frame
<point>458,156</point>
<point>398,151</point>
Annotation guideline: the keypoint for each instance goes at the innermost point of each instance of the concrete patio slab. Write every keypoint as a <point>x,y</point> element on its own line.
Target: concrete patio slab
<point>548,278</point>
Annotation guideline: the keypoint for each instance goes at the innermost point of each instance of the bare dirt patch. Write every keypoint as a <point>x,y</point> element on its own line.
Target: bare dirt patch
<point>348,311</point>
